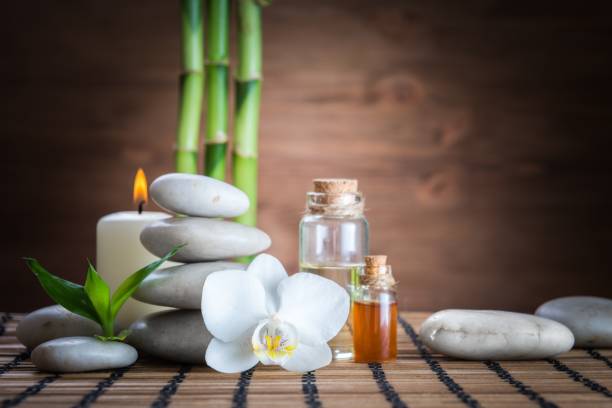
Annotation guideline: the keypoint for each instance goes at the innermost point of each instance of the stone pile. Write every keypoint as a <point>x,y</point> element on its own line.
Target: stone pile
<point>197,201</point>
<point>63,341</point>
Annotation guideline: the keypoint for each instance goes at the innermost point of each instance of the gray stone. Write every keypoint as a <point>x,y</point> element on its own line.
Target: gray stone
<point>176,335</point>
<point>53,322</point>
<point>588,317</point>
<point>206,239</point>
<point>495,335</point>
<point>77,354</point>
<point>180,286</point>
<point>198,196</point>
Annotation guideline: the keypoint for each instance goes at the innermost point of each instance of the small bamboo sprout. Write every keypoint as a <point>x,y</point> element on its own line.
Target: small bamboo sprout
<point>191,87</point>
<point>248,94</point>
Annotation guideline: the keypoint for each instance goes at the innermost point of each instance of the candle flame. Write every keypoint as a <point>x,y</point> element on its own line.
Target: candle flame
<point>141,194</point>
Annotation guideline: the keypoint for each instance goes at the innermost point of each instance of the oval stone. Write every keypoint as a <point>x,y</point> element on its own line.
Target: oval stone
<point>78,354</point>
<point>588,317</point>
<point>206,239</point>
<point>175,335</point>
<point>494,335</point>
<point>198,196</point>
<point>180,286</point>
<point>53,322</point>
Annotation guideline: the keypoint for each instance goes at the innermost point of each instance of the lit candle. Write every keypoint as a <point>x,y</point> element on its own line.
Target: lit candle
<point>119,252</point>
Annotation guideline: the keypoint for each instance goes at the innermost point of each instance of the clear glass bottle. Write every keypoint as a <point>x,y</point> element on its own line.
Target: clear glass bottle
<point>375,313</point>
<point>333,242</point>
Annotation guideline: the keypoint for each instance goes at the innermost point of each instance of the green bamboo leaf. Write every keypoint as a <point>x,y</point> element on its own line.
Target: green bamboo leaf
<point>99,295</point>
<point>68,294</point>
<point>130,284</point>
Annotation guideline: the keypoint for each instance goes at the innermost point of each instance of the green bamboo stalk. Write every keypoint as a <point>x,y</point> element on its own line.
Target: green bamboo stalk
<point>191,87</point>
<point>217,61</point>
<point>248,95</point>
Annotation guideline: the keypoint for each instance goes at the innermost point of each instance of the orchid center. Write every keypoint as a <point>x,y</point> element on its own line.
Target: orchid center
<point>274,341</point>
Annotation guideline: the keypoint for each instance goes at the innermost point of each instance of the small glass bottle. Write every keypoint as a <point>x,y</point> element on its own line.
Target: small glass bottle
<point>333,241</point>
<point>375,313</point>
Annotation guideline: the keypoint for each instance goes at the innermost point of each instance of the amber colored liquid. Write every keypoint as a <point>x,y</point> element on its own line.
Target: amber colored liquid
<point>374,331</point>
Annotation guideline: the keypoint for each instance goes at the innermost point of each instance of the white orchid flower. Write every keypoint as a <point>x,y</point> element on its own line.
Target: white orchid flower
<point>262,314</point>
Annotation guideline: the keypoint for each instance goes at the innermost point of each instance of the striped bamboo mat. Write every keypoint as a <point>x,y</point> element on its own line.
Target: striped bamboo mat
<point>419,378</point>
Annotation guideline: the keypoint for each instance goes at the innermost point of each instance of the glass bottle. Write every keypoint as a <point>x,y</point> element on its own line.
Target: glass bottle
<point>375,313</point>
<point>333,241</point>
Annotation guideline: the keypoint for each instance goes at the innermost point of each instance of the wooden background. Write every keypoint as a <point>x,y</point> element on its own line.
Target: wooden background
<point>479,131</point>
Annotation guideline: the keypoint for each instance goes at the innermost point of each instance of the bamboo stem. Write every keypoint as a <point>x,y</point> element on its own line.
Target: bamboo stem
<point>217,61</point>
<point>189,122</point>
<point>191,87</point>
<point>248,95</point>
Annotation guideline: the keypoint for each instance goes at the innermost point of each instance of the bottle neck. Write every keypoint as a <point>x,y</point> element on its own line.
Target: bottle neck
<point>379,277</point>
<point>335,204</point>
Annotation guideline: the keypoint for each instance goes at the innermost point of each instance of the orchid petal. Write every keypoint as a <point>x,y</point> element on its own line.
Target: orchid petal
<point>270,272</point>
<point>233,357</point>
<point>262,357</point>
<point>307,358</point>
<point>316,306</point>
<point>232,302</point>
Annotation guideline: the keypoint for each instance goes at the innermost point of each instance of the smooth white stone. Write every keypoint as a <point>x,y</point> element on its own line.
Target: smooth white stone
<point>588,317</point>
<point>53,322</point>
<point>206,239</point>
<point>180,286</point>
<point>492,334</point>
<point>198,196</point>
<point>176,335</point>
<point>77,354</point>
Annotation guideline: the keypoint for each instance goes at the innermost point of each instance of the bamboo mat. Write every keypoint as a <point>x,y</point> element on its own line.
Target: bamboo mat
<point>419,378</point>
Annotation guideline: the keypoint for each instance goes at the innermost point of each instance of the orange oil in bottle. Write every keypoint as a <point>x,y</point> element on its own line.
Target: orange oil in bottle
<point>374,331</point>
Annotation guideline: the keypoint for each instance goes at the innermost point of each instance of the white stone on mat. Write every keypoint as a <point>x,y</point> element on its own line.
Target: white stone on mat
<point>78,354</point>
<point>588,317</point>
<point>175,335</point>
<point>53,322</point>
<point>492,334</point>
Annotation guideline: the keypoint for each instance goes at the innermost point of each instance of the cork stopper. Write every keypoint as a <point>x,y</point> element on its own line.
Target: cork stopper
<point>335,197</point>
<point>377,272</point>
<point>335,185</point>
<point>376,260</point>
<point>375,265</point>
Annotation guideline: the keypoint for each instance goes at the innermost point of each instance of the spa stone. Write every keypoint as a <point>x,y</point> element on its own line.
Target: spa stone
<point>588,317</point>
<point>205,239</point>
<point>494,335</point>
<point>180,286</point>
<point>198,196</point>
<point>52,322</point>
<point>176,335</point>
<point>78,354</point>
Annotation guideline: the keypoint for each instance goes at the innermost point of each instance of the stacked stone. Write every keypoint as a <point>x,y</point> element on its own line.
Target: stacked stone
<point>199,203</point>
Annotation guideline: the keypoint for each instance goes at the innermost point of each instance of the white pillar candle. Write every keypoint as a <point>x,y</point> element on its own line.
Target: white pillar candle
<point>119,253</point>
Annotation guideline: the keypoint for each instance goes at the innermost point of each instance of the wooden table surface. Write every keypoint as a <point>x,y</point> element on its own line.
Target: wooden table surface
<point>419,378</point>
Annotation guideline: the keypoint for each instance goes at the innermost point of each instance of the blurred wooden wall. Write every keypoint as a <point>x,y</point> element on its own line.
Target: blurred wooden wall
<point>479,131</point>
